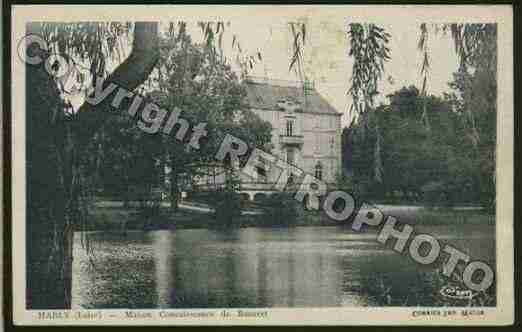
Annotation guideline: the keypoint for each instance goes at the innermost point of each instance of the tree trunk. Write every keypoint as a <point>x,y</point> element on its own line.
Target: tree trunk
<point>126,194</point>
<point>174,187</point>
<point>52,161</point>
<point>129,75</point>
<point>47,237</point>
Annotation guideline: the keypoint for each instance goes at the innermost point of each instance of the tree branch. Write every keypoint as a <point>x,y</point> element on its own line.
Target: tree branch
<point>129,75</point>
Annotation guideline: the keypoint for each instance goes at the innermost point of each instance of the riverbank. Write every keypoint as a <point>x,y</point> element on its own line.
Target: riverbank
<point>118,219</point>
<point>114,217</point>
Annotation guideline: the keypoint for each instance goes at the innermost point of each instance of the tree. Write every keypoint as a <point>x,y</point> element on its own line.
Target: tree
<point>346,151</point>
<point>59,136</point>
<point>196,80</point>
<point>438,165</point>
<point>475,99</point>
<point>55,145</point>
<point>476,46</point>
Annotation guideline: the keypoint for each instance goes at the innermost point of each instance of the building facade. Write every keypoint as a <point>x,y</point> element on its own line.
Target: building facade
<point>306,128</point>
<point>306,133</point>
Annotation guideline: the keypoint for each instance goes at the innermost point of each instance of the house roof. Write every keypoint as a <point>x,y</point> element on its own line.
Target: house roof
<point>267,95</point>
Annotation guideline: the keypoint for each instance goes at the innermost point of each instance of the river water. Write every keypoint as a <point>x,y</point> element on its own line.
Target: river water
<point>259,267</point>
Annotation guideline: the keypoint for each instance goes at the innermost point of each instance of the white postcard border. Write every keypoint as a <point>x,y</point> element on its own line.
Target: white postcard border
<point>503,314</point>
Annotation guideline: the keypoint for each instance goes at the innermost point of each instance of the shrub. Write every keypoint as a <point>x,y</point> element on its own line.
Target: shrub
<point>281,210</point>
<point>227,208</point>
<point>149,208</point>
<point>435,194</point>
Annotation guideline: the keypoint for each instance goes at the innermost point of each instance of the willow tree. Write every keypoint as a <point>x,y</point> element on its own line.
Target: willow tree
<point>58,135</point>
<point>369,49</point>
<point>475,84</point>
<point>57,140</point>
<point>475,81</point>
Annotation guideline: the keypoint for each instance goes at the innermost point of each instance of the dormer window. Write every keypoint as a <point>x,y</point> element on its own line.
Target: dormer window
<point>288,105</point>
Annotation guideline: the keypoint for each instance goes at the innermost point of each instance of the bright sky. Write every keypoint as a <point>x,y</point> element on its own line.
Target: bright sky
<point>326,55</point>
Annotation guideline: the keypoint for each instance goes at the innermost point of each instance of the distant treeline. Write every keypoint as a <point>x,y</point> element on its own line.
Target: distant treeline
<point>425,150</point>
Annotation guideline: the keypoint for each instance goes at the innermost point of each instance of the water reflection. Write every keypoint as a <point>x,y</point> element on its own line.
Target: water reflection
<point>300,267</point>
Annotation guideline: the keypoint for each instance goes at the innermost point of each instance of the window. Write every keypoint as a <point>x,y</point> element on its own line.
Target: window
<point>289,128</point>
<point>319,171</point>
<point>324,123</point>
<point>317,120</point>
<point>290,156</point>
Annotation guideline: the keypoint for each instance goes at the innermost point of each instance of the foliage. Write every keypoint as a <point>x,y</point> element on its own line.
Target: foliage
<point>368,47</point>
<point>437,167</point>
<point>90,49</point>
<point>474,98</point>
<point>282,209</point>
<point>227,208</point>
<point>190,78</point>
<point>62,137</point>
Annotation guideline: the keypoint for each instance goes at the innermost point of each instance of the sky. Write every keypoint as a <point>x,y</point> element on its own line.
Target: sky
<point>326,55</point>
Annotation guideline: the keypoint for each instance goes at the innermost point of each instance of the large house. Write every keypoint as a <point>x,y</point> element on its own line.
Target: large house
<point>306,128</point>
<point>306,133</point>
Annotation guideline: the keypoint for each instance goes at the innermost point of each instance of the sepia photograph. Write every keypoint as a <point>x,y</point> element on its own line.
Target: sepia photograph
<point>261,165</point>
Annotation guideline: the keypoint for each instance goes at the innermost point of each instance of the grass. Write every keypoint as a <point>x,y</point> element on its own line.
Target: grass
<point>453,217</point>
<point>119,218</point>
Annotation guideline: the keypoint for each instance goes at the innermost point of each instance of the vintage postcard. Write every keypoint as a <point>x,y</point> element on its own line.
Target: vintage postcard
<point>262,165</point>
